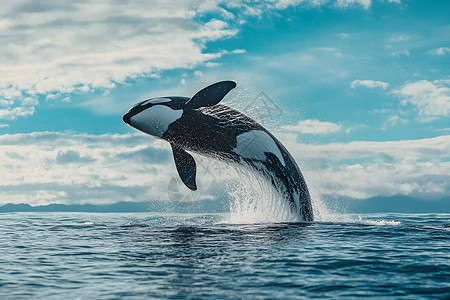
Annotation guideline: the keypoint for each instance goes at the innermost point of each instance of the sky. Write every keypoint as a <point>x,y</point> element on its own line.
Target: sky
<point>357,90</point>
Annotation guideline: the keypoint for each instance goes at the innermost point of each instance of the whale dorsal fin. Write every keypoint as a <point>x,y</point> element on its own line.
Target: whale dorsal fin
<point>186,166</point>
<point>210,95</point>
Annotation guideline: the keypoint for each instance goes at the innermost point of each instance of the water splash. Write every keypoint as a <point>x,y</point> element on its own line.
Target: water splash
<point>258,205</point>
<point>253,199</point>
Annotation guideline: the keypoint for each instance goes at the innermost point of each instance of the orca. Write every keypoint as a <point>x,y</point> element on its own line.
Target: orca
<point>201,125</point>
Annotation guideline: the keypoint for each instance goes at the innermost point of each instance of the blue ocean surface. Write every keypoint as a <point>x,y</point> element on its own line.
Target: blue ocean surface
<point>202,256</point>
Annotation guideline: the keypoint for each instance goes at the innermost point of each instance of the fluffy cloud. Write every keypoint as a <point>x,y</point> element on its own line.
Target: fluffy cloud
<point>14,113</point>
<point>45,167</point>
<point>439,51</point>
<point>53,167</point>
<point>75,47</point>
<point>400,38</point>
<point>369,84</point>
<point>418,168</point>
<point>314,126</point>
<point>79,46</point>
<point>431,98</point>
<point>394,120</point>
<point>404,52</point>
<point>365,3</point>
<point>40,168</point>
<point>57,49</point>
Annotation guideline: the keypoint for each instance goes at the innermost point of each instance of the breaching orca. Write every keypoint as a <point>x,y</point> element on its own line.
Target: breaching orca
<point>199,124</point>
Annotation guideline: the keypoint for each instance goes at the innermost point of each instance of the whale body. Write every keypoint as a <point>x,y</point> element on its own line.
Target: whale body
<point>201,125</point>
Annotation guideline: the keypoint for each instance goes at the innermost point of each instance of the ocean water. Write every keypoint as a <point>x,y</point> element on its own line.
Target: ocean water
<point>210,256</point>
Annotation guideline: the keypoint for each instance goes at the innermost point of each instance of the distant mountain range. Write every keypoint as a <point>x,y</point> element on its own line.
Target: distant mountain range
<point>208,206</point>
<point>395,204</point>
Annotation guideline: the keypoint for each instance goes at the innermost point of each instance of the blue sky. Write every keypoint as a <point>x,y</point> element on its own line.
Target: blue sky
<point>363,88</point>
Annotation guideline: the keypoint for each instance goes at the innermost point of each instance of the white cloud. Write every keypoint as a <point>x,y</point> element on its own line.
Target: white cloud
<point>73,45</point>
<point>344,3</point>
<point>314,126</point>
<point>394,120</point>
<point>432,98</point>
<point>80,46</point>
<point>369,84</point>
<point>419,168</point>
<point>239,51</point>
<point>281,4</point>
<point>76,47</point>
<point>335,51</point>
<point>404,52</point>
<point>329,49</point>
<point>400,38</point>
<point>53,167</point>
<point>46,167</point>
<point>14,113</point>
<point>439,51</point>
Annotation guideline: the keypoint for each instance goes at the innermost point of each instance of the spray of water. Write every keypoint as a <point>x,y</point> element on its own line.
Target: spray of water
<point>252,197</point>
<point>255,200</point>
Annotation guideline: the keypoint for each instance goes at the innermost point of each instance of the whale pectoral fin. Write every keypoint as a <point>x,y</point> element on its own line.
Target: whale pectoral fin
<point>186,166</point>
<point>210,95</point>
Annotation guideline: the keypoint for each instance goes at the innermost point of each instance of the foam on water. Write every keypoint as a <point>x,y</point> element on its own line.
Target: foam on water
<point>378,222</point>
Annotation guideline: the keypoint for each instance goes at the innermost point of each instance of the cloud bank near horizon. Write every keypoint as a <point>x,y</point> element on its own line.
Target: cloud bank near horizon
<point>53,167</point>
<point>361,169</point>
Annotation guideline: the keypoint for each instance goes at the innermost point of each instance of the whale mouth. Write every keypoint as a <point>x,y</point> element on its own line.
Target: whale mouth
<point>132,112</point>
<point>126,118</point>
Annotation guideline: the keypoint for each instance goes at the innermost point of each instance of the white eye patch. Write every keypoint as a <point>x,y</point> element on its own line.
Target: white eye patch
<point>155,120</point>
<point>156,101</point>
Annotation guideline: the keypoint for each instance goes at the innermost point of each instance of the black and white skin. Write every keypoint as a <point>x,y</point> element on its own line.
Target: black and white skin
<point>201,125</point>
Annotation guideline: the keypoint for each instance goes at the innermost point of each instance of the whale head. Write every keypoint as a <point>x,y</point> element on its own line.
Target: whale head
<point>153,116</point>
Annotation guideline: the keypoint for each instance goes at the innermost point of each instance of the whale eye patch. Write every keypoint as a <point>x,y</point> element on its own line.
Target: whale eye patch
<point>155,101</point>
